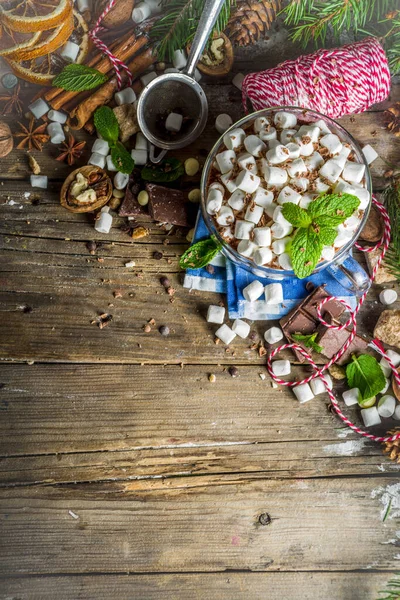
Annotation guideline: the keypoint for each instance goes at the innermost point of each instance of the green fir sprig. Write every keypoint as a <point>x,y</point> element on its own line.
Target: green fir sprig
<point>392,199</point>
<point>178,24</point>
<point>392,591</point>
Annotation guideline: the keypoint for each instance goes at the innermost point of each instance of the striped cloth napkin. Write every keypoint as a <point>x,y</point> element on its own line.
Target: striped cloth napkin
<point>230,279</point>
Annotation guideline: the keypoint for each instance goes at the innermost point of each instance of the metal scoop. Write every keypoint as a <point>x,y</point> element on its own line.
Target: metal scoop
<point>178,92</point>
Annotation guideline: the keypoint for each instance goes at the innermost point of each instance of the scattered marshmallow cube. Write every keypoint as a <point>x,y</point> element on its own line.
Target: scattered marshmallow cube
<point>141,141</point>
<point>253,291</point>
<point>248,182</point>
<point>140,157</point>
<point>228,181</point>
<point>179,59</point>
<point>285,120</point>
<point>281,367</point>
<point>254,145</point>
<point>300,183</point>
<point>285,262</point>
<point>246,248</point>
<point>303,392</point>
<point>386,386</point>
<point>394,357</point>
<point>101,147</point>
<point>254,213</point>
<point>263,197</point>
<point>98,160</point>
<point>148,77</point>
<point>388,296</point>
<point>174,122</point>
<point>247,161</point>
<point>39,181</point>
<point>234,139</point>
<point>70,52</point>
<point>306,149</point>
<point>369,153</point>
<point>322,125</point>
<point>237,200</point>
<point>280,246</point>
<point>279,218</point>
<point>353,172</point>
<point>331,170</point>
<point>370,416</point>
<point>215,314</point>
<point>397,413</point>
<point>309,131</point>
<point>288,194</point>
<point>386,406</point>
<point>274,176</point>
<point>121,180</point>
<point>318,386</point>
<point>273,293</point>
<point>273,335</point>
<point>287,136</point>
<point>225,334</point>
<point>386,368</point>
<point>260,123</point>
<point>268,134</point>
<point>270,209</point>
<point>262,236</point>
<point>126,96</point>
<point>320,186</point>
<point>214,201</point>
<point>340,159</point>
<point>294,150</point>
<point>238,80</point>
<point>332,143</point>
<point>55,132</point>
<point>225,216</point>
<point>314,161</point>
<point>223,122</point>
<point>297,167</point>
<point>110,164</point>
<point>277,155</point>
<point>104,222</point>
<point>171,70</point>
<point>141,12</point>
<point>155,6</point>
<point>226,160</point>
<point>263,256</point>
<point>57,116</point>
<point>243,229</point>
<point>280,231</point>
<point>351,397</point>
<point>241,328</point>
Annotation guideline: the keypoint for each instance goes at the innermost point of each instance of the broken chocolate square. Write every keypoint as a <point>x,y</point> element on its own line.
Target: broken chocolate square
<point>130,207</point>
<point>332,340</point>
<point>167,205</point>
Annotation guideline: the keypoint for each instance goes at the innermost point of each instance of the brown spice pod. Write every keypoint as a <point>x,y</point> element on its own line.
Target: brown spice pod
<point>224,67</point>
<point>6,139</point>
<point>117,15</point>
<point>102,185</point>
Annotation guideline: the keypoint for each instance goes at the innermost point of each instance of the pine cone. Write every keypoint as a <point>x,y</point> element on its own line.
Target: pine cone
<point>392,117</point>
<point>392,449</point>
<point>250,20</point>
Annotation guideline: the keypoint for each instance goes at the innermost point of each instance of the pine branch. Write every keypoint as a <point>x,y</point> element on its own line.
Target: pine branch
<point>392,198</point>
<point>392,592</point>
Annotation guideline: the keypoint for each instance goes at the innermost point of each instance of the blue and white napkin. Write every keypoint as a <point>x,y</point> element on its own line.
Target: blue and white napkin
<point>231,279</point>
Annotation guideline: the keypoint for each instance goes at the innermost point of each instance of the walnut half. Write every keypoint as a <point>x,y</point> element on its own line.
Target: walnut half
<point>86,189</point>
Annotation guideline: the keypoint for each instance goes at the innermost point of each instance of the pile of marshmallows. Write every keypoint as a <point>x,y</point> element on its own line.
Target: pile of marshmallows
<point>260,170</point>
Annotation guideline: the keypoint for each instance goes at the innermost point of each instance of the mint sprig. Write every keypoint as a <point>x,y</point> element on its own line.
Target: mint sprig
<point>366,374</point>
<point>316,228</point>
<point>78,78</point>
<point>107,126</point>
<point>200,254</point>
<point>308,340</point>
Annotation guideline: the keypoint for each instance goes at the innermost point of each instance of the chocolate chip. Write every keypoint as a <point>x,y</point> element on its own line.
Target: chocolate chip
<point>164,330</point>
<point>27,309</point>
<point>157,255</point>
<point>165,281</point>
<point>233,371</point>
<point>125,228</point>
<point>91,246</point>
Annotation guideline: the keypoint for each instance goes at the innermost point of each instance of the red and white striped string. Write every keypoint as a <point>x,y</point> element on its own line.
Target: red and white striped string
<point>375,344</point>
<point>117,64</point>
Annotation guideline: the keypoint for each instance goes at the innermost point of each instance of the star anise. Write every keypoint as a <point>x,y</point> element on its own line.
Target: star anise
<point>34,137</point>
<point>392,118</point>
<point>71,150</point>
<point>11,102</point>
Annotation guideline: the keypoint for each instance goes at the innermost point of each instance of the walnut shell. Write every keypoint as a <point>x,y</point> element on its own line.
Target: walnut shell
<point>98,180</point>
<point>224,67</point>
<point>6,139</point>
<point>118,15</point>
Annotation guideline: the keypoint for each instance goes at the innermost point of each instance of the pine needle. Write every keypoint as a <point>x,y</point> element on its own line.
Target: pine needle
<point>392,592</point>
<point>392,198</point>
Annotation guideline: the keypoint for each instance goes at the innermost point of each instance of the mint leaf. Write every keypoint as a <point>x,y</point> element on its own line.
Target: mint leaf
<point>365,373</point>
<point>308,341</point>
<point>78,78</point>
<point>332,209</point>
<point>200,254</point>
<point>305,251</point>
<point>327,235</point>
<point>166,171</point>
<point>295,215</point>
<point>122,159</point>
<point>106,124</point>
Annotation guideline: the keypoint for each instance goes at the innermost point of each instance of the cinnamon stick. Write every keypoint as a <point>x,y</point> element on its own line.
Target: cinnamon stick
<point>82,113</point>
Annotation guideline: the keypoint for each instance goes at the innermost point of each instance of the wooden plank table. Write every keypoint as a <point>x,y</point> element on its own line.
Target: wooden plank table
<point>124,472</point>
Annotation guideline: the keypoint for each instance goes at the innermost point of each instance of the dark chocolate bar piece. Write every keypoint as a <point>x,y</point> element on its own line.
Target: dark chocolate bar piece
<point>167,205</point>
<point>130,207</point>
<point>332,340</point>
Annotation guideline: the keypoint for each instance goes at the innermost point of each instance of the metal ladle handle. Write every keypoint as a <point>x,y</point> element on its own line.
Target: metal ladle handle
<point>207,21</point>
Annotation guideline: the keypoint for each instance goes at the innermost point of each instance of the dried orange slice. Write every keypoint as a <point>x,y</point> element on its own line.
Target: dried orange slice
<point>12,41</point>
<point>43,69</point>
<point>27,16</point>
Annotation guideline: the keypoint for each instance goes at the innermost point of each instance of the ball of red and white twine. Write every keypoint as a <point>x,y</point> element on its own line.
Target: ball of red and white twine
<point>376,345</point>
<point>335,82</point>
<point>117,64</point>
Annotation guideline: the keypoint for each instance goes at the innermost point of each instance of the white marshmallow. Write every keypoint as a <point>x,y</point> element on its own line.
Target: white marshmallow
<point>260,123</point>
<point>179,59</point>
<point>217,186</point>
<point>306,200</point>
<point>297,167</point>
<point>287,136</point>
<point>352,223</point>
<point>340,159</point>
<point>277,155</point>
<point>279,246</point>
<point>388,296</point>
<point>314,161</point>
<point>386,368</point>
<point>243,230</point>
<point>228,182</point>
<point>246,248</point>
<point>386,406</point>
<point>353,172</point>
<point>342,238</point>
<point>288,194</point>
<point>121,180</point>
<point>262,236</point>
<point>320,186</point>
<point>248,182</point>
<point>386,386</point>
<point>285,262</point>
<point>83,5</point>
<point>254,145</point>
<point>273,144</point>
<point>225,216</point>
<point>55,132</point>
<point>104,222</point>
<point>227,234</point>
<point>279,218</point>
<point>322,125</point>
<point>254,213</point>
<point>370,154</point>
<point>281,367</point>
<point>308,131</point>
<point>330,170</point>
<point>370,416</point>
<point>328,252</point>
<point>237,200</point>
<point>263,197</point>
<point>318,386</point>
<point>253,291</point>
<point>306,149</point>
<point>98,160</point>
<point>215,314</point>
<point>214,201</point>
<point>241,328</point>
<point>270,209</point>
<point>141,12</point>
<point>70,52</point>
<point>397,413</point>
<point>147,77</point>
<point>172,70</point>
<point>303,392</point>
<point>174,122</point>
<point>268,134</point>
<point>225,334</point>
<point>247,161</point>
<point>110,164</point>
<point>141,141</point>
<point>126,96</point>
<point>350,397</point>
<point>57,116</point>
<point>300,183</point>
<point>273,293</point>
<point>285,120</point>
<point>223,122</point>
<point>361,193</point>
<point>155,6</point>
<point>280,231</point>
<point>332,143</point>
<point>263,256</point>
<point>39,181</point>
<point>226,160</point>
<point>294,150</point>
<point>234,139</point>
<point>238,80</point>
<point>273,335</point>
<point>101,147</point>
<point>394,357</point>
<point>274,176</point>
